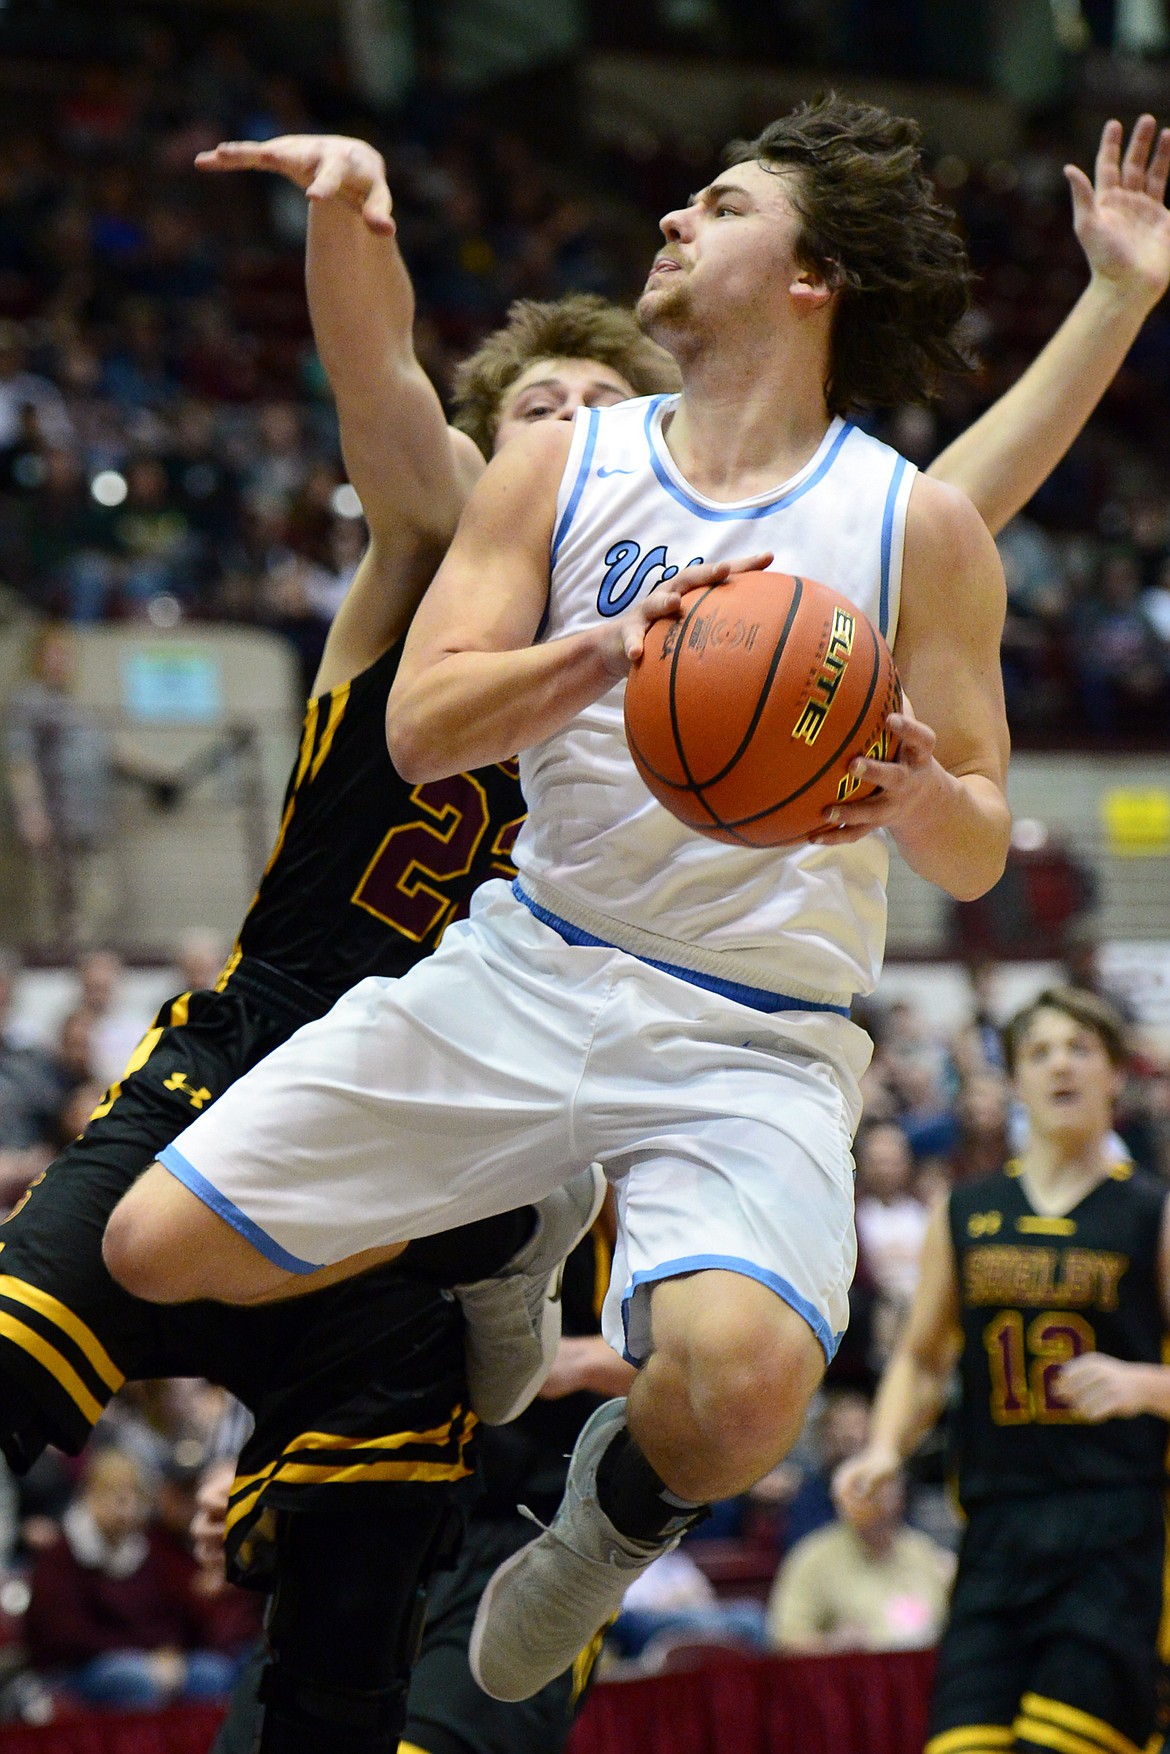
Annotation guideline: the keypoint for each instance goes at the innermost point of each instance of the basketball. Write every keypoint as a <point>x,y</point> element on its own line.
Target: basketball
<point>743,715</point>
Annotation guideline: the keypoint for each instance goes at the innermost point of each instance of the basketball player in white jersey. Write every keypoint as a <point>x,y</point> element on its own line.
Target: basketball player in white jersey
<point>535,1035</point>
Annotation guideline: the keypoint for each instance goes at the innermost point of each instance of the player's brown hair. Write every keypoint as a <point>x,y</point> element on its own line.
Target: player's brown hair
<point>1085,1008</point>
<point>871,223</point>
<point>581,326</point>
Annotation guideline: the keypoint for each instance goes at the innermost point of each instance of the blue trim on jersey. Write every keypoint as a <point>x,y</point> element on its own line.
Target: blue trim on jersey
<point>224,1208</point>
<point>828,1340</point>
<point>583,469</point>
<point>756,998</point>
<point>739,512</point>
<point>888,544</point>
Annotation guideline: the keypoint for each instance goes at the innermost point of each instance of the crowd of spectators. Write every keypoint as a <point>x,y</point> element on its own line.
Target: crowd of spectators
<point>168,449</point>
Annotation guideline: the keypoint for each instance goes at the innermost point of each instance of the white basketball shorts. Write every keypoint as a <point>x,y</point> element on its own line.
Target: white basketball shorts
<point>509,1060</point>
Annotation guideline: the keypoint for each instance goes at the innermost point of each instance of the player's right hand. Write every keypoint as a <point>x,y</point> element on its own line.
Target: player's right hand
<point>665,602</point>
<point>325,166</point>
<point>856,1481</point>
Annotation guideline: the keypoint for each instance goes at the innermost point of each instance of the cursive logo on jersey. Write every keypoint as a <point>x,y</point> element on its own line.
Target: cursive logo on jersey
<point>629,572</point>
<point>606,470</point>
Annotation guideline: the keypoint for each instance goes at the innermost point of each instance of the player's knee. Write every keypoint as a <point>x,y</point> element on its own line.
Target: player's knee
<point>750,1367</point>
<point>146,1247</point>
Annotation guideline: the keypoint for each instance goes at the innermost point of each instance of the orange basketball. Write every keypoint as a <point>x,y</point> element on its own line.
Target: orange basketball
<point>744,714</point>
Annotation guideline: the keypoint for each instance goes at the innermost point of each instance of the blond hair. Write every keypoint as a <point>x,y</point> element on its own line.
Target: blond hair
<point>581,326</point>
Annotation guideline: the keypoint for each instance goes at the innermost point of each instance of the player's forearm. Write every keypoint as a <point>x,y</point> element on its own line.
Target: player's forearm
<point>958,837</point>
<point>361,303</point>
<point>1001,460</point>
<point>908,1404</point>
<point>470,709</point>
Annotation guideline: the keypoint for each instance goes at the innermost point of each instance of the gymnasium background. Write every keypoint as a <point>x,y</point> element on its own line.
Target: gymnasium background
<point>176,530</point>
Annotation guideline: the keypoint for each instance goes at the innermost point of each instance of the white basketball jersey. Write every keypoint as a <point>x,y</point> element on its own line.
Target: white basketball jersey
<point>598,853</point>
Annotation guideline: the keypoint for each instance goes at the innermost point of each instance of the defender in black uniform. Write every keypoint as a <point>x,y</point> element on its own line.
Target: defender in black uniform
<point>1049,1285</point>
<point>362,1385</point>
<point>524,1462</point>
<point>364,875</point>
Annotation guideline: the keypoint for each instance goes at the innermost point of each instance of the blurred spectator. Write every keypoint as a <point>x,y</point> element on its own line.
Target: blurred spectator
<point>891,1220</point>
<point>117,1023</point>
<point>1037,606</point>
<point>673,1599</point>
<point>199,958</point>
<point>231,1616</point>
<point>978,1047</point>
<point>839,1429</point>
<point>871,1584</point>
<point>57,540</point>
<point>37,1087</point>
<point>154,549</point>
<point>164,1424</point>
<point>1123,665</point>
<point>108,1619</point>
<point>981,1113</point>
<point>60,772</point>
<point>22,391</point>
<point>303,596</point>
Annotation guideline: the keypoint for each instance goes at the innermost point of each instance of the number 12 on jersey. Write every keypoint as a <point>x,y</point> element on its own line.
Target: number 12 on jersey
<point>1024,1364</point>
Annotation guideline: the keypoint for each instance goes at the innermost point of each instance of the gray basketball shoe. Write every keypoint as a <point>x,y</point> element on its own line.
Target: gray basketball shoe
<point>545,1604</point>
<point>514,1318</point>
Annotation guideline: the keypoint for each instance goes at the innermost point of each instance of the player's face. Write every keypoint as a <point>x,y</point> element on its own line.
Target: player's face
<point>554,389</point>
<point>729,255</point>
<point>1065,1078</point>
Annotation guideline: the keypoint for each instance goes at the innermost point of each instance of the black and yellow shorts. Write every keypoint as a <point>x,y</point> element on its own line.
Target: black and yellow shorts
<point>361,1384</point>
<point>1058,1634</point>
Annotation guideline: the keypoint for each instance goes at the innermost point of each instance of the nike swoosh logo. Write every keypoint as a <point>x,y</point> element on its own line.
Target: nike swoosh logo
<point>603,473</point>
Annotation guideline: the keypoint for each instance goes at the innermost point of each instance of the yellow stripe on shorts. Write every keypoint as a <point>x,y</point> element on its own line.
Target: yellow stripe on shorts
<point>972,1739</point>
<point>19,1291</point>
<point>31,1342</point>
<point>1070,1718</point>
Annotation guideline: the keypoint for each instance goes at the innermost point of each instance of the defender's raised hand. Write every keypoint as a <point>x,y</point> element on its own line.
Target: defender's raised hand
<point>325,166</point>
<point>1120,218</point>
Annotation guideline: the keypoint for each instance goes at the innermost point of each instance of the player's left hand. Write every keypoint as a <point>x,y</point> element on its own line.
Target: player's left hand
<point>906,785</point>
<point>1120,218</point>
<point>1098,1387</point>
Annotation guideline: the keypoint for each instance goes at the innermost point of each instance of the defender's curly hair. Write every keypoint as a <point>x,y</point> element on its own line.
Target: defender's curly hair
<point>871,223</point>
<point>581,326</point>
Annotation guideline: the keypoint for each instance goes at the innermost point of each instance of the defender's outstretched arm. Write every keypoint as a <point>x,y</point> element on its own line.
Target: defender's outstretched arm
<point>410,470</point>
<point>1124,229</point>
